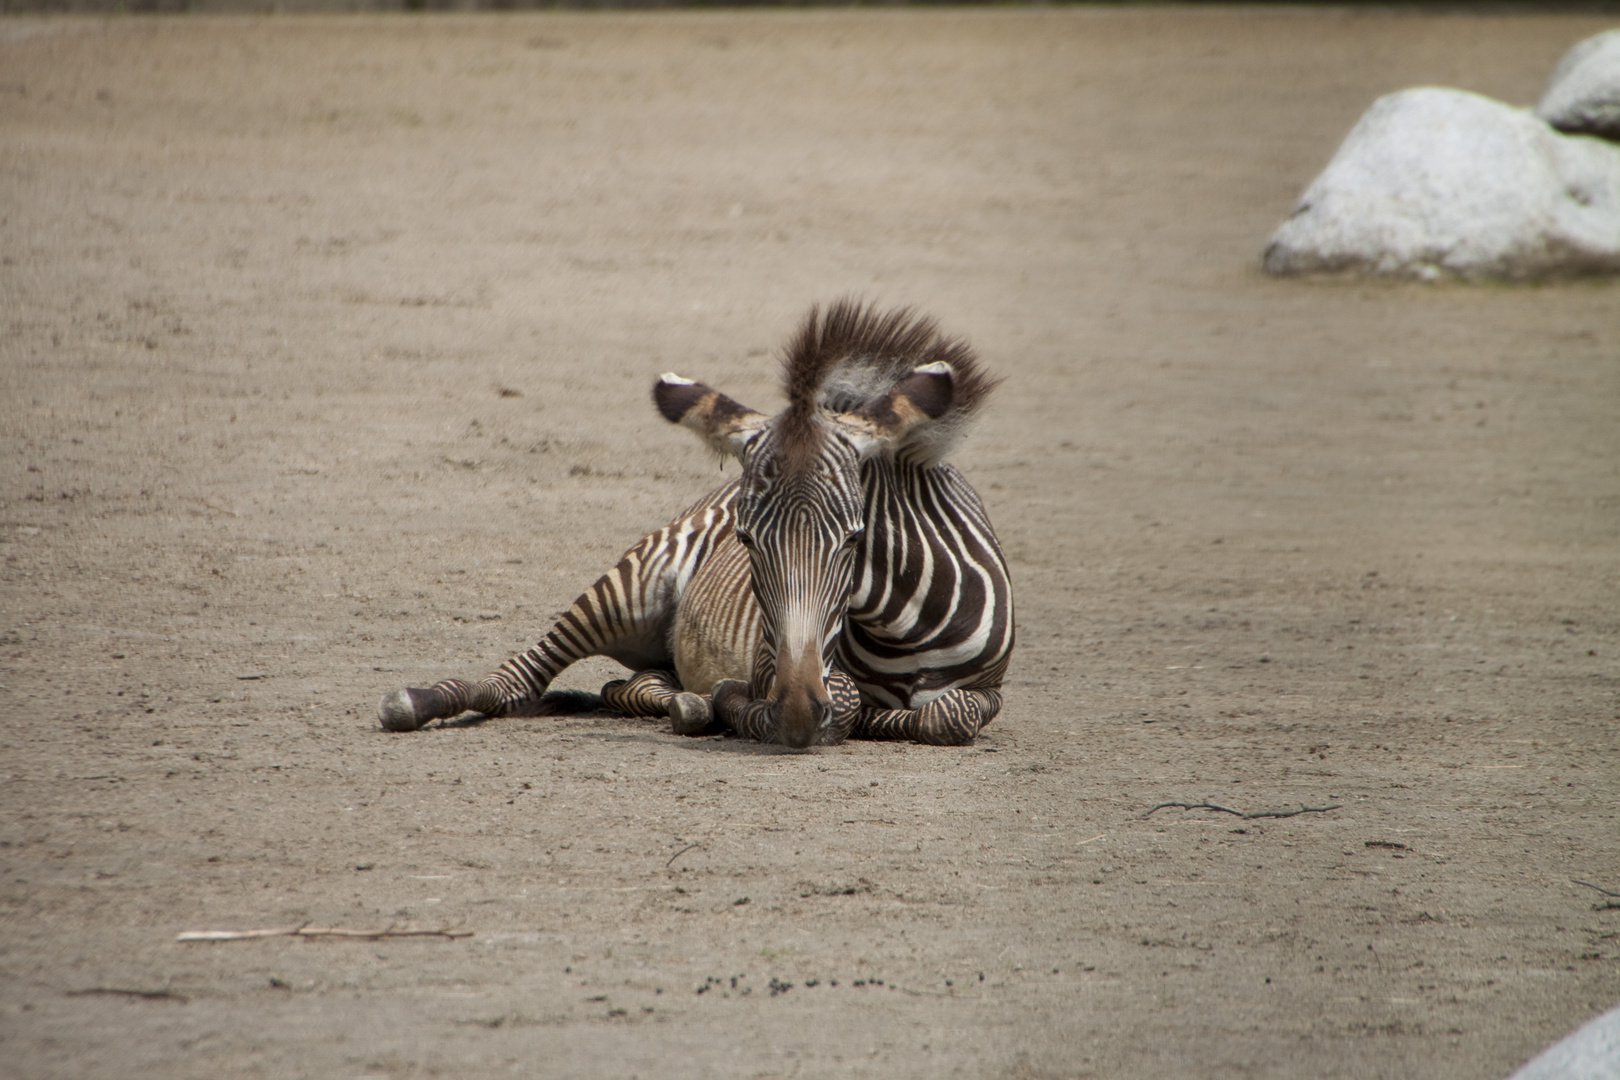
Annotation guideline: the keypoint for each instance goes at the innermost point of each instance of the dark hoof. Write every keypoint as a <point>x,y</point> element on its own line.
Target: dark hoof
<point>690,714</point>
<point>398,712</point>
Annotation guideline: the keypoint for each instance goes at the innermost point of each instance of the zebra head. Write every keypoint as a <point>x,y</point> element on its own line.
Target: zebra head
<point>802,515</point>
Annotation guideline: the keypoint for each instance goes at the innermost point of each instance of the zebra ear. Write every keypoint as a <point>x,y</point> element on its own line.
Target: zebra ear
<point>917,400</point>
<point>725,425</point>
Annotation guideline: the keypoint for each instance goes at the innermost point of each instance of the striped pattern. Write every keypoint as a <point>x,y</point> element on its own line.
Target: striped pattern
<point>849,583</point>
<point>931,610</point>
<point>627,615</point>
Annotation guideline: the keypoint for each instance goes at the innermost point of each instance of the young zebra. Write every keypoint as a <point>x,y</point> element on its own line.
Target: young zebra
<point>849,583</point>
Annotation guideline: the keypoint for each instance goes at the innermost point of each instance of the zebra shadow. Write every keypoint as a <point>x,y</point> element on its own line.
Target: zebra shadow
<point>643,733</point>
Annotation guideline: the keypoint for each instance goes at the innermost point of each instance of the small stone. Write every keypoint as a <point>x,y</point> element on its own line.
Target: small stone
<point>1583,95</point>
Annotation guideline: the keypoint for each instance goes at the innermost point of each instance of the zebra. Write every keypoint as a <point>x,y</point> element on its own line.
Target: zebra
<point>848,583</point>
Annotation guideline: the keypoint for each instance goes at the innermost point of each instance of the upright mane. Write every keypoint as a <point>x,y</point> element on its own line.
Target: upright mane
<point>852,352</point>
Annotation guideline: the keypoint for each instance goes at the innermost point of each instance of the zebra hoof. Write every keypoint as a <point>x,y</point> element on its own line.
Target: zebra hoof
<point>690,714</point>
<point>398,713</point>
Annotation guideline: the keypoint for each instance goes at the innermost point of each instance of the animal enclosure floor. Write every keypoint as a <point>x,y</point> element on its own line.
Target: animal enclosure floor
<point>326,356</point>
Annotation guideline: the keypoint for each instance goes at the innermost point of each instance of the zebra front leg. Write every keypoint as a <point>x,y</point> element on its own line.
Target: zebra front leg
<point>954,718</point>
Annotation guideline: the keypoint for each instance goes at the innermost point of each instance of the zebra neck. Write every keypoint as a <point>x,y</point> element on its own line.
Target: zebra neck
<point>930,569</point>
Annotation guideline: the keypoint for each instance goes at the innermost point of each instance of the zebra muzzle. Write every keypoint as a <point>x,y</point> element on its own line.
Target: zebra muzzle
<point>796,718</point>
<point>799,717</point>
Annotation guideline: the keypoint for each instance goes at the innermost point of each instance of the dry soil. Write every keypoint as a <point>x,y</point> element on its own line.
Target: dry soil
<point>326,352</point>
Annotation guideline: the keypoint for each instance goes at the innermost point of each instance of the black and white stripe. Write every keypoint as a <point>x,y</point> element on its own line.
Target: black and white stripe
<point>627,615</point>
<point>931,609</point>
<point>848,583</point>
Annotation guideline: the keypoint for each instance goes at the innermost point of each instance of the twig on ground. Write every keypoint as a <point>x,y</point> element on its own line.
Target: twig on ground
<point>1245,814</point>
<point>679,853</point>
<point>315,931</point>
<point>221,509</point>
<point>1607,905</point>
<point>1599,888</point>
<point>150,995</point>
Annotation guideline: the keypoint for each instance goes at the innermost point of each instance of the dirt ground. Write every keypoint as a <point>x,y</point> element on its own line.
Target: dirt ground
<point>326,362</point>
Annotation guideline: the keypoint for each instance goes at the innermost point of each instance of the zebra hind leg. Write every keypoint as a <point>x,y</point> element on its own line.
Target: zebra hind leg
<point>658,693</point>
<point>952,719</point>
<point>413,708</point>
<point>693,714</point>
<point>646,693</point>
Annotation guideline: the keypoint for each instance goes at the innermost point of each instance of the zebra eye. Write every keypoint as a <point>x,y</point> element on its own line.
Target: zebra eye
<point>745,539</point>
<point>853,538</point>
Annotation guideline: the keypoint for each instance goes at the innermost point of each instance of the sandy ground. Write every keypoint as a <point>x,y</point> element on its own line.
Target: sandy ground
<point>326,356</point>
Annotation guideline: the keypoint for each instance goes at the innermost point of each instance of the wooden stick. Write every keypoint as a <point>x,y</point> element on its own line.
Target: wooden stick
<point>681,852</point>
<point>1251,814</point>
<point>221,509</point>
<point>1599,888</point>
<point>315,931</point>
<point>150,995</point>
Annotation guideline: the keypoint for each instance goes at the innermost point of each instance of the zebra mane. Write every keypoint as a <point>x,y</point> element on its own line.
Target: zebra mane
<point>843,357</point>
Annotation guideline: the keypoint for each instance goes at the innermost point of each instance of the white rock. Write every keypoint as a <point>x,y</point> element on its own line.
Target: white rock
<point>1583,95</point>
<point>1592,1053</point>
<point>1434,181</point>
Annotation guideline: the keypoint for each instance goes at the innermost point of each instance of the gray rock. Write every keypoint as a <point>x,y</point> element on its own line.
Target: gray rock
<point>1432,182</point>
<point>1592,1053</point>
<point>1583,95</point>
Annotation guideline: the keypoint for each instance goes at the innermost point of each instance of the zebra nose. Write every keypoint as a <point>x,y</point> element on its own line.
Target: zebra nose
<point>799,719</point>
